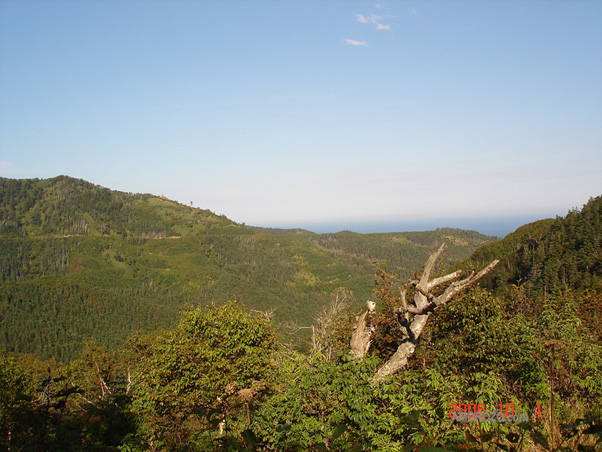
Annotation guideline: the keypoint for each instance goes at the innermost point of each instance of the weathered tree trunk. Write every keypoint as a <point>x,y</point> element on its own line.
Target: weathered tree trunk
<point>412,317</point>
<point>361,339</point>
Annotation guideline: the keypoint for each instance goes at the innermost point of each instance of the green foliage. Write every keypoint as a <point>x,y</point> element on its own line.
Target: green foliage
<point>570,353</point>
<point>474,334</point>
<point>103,406</point>
<point>51,316</point>
<point>495,357</point>
<point>15,394</point>
<point>321,405</point>
<point>218,382</point>
<point>199,365</point>
<point>46,406</point>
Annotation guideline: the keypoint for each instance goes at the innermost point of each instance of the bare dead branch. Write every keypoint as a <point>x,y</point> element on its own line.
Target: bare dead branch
<point>413,317</point>
<point>422,311</point>
<point>458,286</point>
<point>428,268</point>
<point>402,298</point>
<point>129,384</point>
<point>443,279</point>
<point>85,399</point>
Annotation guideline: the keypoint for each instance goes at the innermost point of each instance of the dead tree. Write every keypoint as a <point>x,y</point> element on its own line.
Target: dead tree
<point>361,339</point>
<point>412,316</point>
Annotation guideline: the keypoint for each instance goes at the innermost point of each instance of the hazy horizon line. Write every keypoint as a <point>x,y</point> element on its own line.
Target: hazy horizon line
<point>496,226</point>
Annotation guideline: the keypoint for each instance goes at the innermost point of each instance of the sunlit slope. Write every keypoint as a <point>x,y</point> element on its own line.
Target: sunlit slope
<point>82,262</point>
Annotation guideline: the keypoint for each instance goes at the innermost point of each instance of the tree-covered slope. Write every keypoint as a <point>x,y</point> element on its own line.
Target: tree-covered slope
<point>67,206</point>
<point>220,377</point>
<point>79,262</point>
<point>549,255</point>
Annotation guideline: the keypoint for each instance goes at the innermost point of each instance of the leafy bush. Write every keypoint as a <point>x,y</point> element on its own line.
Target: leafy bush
<point>211,356</point>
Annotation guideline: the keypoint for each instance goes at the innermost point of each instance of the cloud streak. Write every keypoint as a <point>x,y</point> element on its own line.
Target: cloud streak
<point>353,42</point>
<point>373,19</point>
<point>361,18</point>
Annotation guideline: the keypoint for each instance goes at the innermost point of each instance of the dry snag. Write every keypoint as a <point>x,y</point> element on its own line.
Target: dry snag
<point>412,316</point>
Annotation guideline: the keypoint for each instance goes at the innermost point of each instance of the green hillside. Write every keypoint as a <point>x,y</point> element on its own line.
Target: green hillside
<point>526,360</point>
<point>79,262</point>
<point>550,255</point>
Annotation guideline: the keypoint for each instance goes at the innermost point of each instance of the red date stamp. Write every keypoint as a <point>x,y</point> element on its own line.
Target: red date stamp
<point>470,412</point>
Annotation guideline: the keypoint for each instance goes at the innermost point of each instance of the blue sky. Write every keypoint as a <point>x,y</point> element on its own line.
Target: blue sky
<point>291,113</point>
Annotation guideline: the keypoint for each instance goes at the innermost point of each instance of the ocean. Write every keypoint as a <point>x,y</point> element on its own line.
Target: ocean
<point>492,226</point>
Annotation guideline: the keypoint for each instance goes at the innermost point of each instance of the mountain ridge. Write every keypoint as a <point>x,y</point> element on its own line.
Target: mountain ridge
<point>548,255</point>
<point>83,262</point>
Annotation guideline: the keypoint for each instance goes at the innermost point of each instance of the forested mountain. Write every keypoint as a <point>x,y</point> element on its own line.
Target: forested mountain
<point>518,369</point>
<point>549,255</point>
<point>80,262</point>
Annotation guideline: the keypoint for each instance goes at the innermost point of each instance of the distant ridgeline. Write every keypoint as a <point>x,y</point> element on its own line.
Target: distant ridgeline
<point>549,255</point>
<point>80,262</point>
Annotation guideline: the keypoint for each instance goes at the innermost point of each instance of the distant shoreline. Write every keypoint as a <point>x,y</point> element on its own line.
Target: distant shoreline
<point>492,226</point>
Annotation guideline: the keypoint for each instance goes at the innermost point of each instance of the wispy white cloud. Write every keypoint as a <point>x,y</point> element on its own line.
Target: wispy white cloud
<point>373,19</point>
<point>353,42</point>
<point>361,18</point>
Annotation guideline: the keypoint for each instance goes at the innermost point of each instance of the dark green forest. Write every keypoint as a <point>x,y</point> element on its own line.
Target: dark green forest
<point>549,255</point>
<point>134,323</point>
